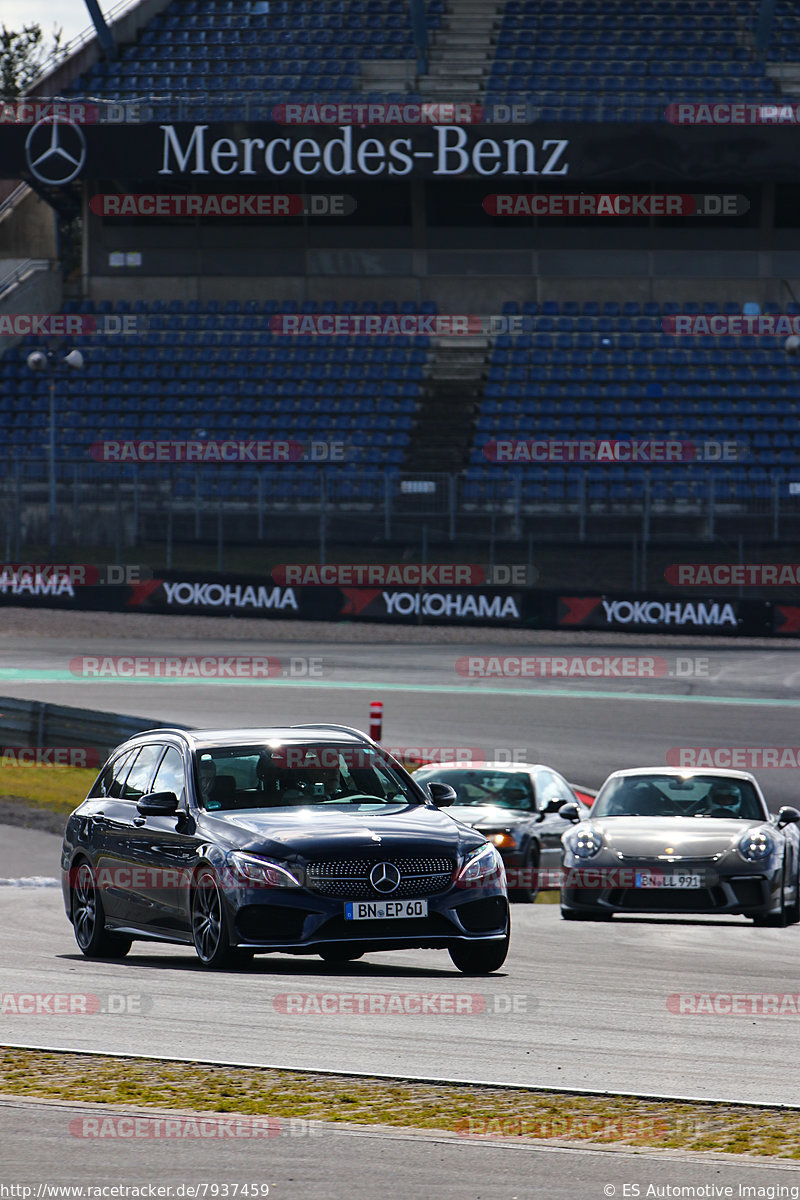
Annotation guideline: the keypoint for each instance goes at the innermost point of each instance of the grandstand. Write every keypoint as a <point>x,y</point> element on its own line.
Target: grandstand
<point>592,361</point>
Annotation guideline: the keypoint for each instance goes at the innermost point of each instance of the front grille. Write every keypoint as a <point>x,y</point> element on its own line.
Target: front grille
<point>667,901</point>
<point>349,878</point>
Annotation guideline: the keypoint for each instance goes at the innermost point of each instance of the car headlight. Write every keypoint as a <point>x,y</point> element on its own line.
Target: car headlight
<point>481,865</point>
<point>585,843</point>
<point>262,872</point>
<point>756,846</point>
<point>502,839</point>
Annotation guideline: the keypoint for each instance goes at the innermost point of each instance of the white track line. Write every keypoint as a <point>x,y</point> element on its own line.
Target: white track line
<point>30,881</point>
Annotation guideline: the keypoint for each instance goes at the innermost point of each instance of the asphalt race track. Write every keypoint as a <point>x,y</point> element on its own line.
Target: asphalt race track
<point>575,1007</point>
<point>735,696</point>
<point>336,1162</point>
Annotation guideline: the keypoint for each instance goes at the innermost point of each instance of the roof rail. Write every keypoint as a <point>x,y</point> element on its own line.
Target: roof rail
<point>341,728</point>
<point>174,729</point>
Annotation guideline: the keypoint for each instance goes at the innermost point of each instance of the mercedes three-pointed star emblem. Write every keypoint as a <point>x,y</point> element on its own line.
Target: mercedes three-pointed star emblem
<point>385,877</point>
<point>55,151</point>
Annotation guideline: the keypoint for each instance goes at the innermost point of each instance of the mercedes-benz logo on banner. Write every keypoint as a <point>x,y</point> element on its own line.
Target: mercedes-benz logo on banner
<point>385,877</point>
<point>55,151</point>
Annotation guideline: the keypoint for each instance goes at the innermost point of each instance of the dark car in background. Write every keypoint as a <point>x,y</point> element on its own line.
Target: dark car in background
<point>662,840</point>
<point>306,840</point>
<point>516,807</point>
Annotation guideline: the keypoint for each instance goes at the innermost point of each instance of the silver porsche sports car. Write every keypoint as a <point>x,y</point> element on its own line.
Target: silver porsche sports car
<point>663,840</point>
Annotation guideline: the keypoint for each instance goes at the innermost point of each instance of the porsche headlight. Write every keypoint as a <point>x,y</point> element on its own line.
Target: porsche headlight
<point>262,872</point>
<point>585,843</point>
<point>481,865</point>
<point>756,846</point>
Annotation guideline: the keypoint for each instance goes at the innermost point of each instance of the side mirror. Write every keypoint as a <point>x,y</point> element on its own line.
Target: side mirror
<point>569,812</point>
<point>552,806</point>
<point>787,816</point>
<point>158,804</point>
<point>442,794</point>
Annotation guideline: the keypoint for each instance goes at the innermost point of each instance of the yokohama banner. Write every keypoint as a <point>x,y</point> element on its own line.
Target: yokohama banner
<point>661,614</point>
<point>272,598</point>
<point>250,597</point>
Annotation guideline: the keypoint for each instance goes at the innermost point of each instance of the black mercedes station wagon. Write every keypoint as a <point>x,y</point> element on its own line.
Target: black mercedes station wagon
<point>306,840</point>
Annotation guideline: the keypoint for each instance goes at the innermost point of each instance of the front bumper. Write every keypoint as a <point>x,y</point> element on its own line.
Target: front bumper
<point>734,887</point>
<point>302,922</point>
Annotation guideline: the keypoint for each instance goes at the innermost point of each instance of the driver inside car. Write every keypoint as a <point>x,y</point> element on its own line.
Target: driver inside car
<point>321,783</point>
<point>282,785</point>
<point>727,796</point>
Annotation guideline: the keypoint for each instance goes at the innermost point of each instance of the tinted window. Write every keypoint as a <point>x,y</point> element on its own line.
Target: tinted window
<point>140,772</point>
<point>111,780</point>
<point>671,796</point>
<point>170,775</point>
<point>507,789</point>
<point>297,775</point>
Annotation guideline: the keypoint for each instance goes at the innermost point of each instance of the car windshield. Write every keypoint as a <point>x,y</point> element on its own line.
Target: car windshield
<point>671,796</point>
<point>506,789</point>
<point>296,775</point>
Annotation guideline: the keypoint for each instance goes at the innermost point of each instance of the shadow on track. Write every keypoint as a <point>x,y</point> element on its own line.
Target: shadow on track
<point>275,967</point>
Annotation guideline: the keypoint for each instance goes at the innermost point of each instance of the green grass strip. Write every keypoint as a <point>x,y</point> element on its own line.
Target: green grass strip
<point>474,1112</point>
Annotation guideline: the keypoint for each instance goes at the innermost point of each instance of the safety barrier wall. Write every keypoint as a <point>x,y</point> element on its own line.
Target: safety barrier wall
<point>726,612</point>
<point>33,723</point>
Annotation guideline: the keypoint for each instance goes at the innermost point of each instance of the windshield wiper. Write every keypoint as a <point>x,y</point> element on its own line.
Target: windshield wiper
<point>360,797</point>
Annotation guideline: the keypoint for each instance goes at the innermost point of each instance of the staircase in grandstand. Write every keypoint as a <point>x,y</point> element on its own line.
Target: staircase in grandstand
<point>461,51</point>
<point>456,375</point>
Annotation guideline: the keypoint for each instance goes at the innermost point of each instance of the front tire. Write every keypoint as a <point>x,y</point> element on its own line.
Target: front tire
<point>527,895</point>
<point>778,920</point>
<point>89,921</point>
<point>771,920</point>
<point>793,909</point>
<point>209,934</point>
<point>480,958</point>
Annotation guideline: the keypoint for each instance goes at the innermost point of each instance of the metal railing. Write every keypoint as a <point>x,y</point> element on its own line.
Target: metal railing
<point>80,40</point>
<point>12,200</point>
<point>37,724</point>
<point>122,505</point>
<point>20,272</point>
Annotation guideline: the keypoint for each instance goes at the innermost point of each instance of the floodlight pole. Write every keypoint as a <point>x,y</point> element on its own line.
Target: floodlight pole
<point>51,466</point>
<point>39,360</point>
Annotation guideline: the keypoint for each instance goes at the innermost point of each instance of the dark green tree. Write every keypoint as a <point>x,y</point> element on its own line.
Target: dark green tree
<point>24,55</point>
